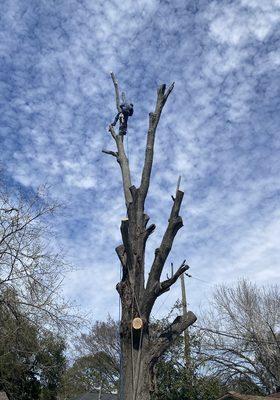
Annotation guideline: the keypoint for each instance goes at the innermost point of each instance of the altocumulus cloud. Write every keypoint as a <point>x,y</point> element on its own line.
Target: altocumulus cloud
<point>220,129</point>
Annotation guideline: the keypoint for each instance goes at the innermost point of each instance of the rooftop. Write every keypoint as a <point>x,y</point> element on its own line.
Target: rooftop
<point>94,396</point>
<point>238,396</point>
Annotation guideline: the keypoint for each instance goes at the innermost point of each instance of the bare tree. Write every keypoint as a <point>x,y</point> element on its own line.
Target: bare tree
<point>30,273</point>
<point>102,342</point>
<point>242,335</point>
<point>139,351</point>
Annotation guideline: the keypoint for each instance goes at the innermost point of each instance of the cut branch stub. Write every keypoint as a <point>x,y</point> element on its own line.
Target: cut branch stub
<point>120,250</point>
<point>111,153</point>
<point>165,339</point>
<point>137,323</point>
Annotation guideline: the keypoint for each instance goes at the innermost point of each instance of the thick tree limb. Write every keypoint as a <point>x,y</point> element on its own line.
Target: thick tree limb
<point>154,117</point>
<point>117,93</point>
<point>166,338</point>
<point>126,242</point>
<point>174,224</point>
<point>165,285</point>
<point>120,250</point>
<point>149,231</point>
<point>123,161</point>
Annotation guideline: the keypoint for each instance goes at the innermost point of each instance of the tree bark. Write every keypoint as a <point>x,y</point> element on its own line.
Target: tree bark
<point>140,351</point>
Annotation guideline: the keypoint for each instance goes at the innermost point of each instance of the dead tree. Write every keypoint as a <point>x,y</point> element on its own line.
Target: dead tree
<point>140,350</point>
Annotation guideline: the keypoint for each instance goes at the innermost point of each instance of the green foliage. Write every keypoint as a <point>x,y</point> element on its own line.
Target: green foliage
<point>97,361</point>
<point>52,362</point>
<point>31,365</point>
<point>88,373</point>
<point>173,383</point>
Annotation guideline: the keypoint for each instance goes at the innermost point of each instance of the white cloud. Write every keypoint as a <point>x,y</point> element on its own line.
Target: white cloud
<point>237,22</point>
<point>219,129</point>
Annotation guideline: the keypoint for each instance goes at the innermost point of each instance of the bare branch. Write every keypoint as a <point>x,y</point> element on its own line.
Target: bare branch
<point>154,118</point>
<point>123,161</point>
<point>123,97</point>
<point>117,94</point>
<point>165,285</point>
<point>112,131</point>
<point>174,224</point>
<point>120,154</point>
<point>149,231</point>
<point>166,338</point>
<point>112,153</point>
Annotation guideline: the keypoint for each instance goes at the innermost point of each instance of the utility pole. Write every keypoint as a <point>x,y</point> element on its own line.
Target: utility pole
<point>100,391</point>
<point>186,332</point>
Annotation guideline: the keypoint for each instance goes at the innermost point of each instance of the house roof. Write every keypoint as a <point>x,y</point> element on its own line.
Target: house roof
<point>238,396</point>
<point>95,396</point>
<point>3,396</point>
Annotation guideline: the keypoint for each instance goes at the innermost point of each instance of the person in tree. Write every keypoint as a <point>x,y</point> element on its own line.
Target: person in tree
<point>122,117</point>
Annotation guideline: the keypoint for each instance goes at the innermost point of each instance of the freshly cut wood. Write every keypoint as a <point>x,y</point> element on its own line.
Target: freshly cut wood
<point>137,323</point>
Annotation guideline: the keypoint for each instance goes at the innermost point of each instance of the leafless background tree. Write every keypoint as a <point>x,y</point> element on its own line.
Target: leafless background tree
<point>31,273</point>
<point>33,314</point>
<point>103,342</point>
<point>241,338</point>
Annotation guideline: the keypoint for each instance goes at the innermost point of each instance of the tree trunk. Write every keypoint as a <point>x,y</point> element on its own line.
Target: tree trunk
<point>140,349</point>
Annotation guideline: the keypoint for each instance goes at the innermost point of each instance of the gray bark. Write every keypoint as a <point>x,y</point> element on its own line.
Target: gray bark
<point>139,352</point>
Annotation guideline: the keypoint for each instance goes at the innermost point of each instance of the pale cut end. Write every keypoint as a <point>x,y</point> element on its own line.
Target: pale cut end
<point>137,323</point>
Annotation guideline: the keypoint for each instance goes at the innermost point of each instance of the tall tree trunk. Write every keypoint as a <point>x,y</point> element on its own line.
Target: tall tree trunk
<point>140,348</point>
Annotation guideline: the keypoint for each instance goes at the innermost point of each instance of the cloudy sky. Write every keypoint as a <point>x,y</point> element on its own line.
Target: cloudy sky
<point>219,130</point>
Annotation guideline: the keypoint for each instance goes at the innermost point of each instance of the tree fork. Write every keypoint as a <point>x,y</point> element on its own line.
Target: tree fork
<point>140,352</point>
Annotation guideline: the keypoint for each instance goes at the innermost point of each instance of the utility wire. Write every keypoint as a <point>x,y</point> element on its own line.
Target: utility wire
<point>162,303</point>
<point>221,333</point>
<point>198,279</point>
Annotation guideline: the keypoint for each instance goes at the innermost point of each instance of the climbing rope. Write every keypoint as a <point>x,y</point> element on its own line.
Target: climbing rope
<point>121,356</point>
<point>138,363</point>
<point>127,147</point>
<point>135,368</point>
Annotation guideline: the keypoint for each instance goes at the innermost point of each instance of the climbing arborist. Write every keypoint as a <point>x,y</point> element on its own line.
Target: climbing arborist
<point>122,117</point>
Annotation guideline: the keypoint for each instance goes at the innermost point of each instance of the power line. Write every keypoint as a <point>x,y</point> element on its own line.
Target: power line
<point>162,303</point>
<point>165,299</point>
<point>221,333</point>
<point>198,279</point>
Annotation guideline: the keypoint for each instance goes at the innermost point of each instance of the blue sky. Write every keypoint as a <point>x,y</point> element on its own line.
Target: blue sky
<point>219,130</point>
